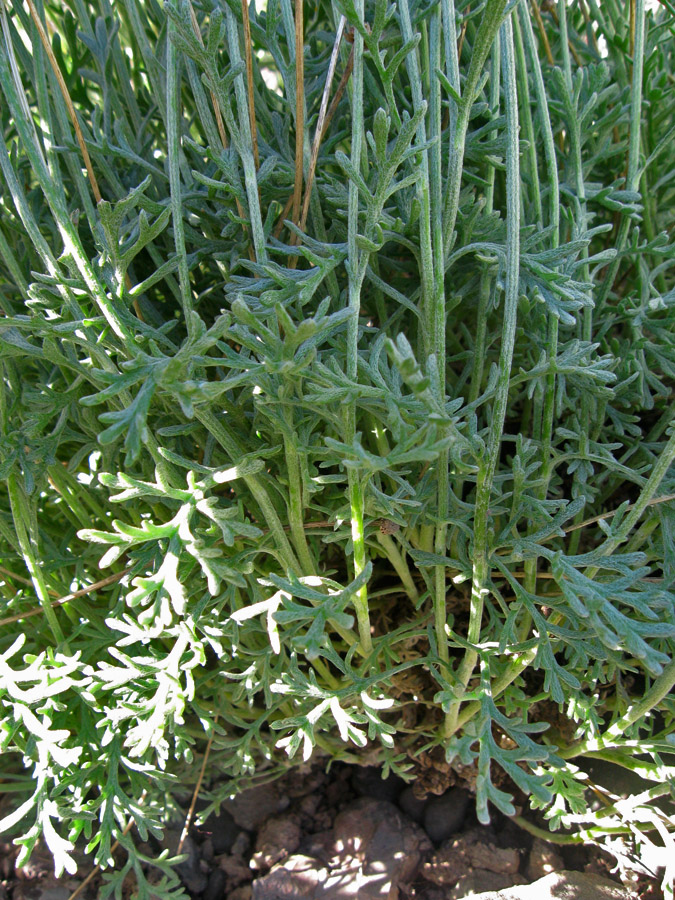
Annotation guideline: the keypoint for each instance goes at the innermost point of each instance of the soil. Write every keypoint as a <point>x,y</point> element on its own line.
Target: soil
<point>340,834</point>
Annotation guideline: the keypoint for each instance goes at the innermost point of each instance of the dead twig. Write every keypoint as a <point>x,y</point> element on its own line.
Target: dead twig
<point>104,582</point>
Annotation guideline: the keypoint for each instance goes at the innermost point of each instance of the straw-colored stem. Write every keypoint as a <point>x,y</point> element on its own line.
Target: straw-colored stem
<point>249,79</point>
<point>66,97</point>
<point>320,121</point>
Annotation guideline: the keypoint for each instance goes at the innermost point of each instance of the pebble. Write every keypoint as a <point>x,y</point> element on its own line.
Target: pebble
<point>563,886</point>
<point>278,838</point>
<point>298,878</point>
<point>250,808</point>
<point>444,815</point>
<point>543,859</point>
<point>466,852</point>
<point>479,880</point>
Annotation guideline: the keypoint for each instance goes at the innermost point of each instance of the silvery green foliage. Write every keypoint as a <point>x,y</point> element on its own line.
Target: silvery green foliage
<point>417,453</point>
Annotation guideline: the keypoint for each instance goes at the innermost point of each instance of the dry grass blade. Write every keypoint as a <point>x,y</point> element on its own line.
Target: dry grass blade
<point>249,79</point>
<point>130,824</point>
<point>214,102</point>
<point>321,121</point>
<point>21,579</point>
<point>340,90</point>
<point>462,34</point>
<point>104,582</point>
<point>329,115</point>
<point>542,31</point>
<point>219,118</point>
<point>73,118</point>
<point>66,97</point>
<point>554,16</point>
<point>587,20</point>
<point>613,512</point>
<point>195,795</point>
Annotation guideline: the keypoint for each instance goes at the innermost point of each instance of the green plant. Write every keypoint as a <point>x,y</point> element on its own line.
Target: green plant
<point>342,373</point>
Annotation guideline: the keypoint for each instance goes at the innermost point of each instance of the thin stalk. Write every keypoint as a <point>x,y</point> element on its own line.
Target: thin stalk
<point>659,472</point>
<point>84,592</point>
<point>355,484</point>
<point>484,291</point>
<point>296,508</point>
<point>552,335</point>
<point>451,60</point>
<point>214,99</point>
<point>586,327</point>
<point>14,269</point>
<point>123,74</point>
<point>487,31</point>
<point>54,112</point>
<point>249,80</point>
<point>215,145</point>
<point>401,568</point>
<point>433,305</point>
<point>56,203</point>
<point>173,67</point>
<point>299,109</point>
<point>633,172</point>
<point>22,525</point>
<point>153,70</point>
<point>244,144</point>
<point>542,32</point>
<point>231,446</point>
<point>439,342</point>
<point>66,96</point>
<point>318,133</point>
<point>480,585</point>
<point>661,687</point>
<point>429,195</point>
<point>526,114</point>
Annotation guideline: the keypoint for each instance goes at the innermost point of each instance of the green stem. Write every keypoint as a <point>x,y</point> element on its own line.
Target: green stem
<point>484,292</point>
<point>633,174</point>
<point>173,142</point>
<point>235,452</point>
<point>22,525</point>
<point>481,567</point>
<point>243,141</point>
<point>437,325</point>
<point>526,114</point>
<point>487,31</point>
<point>661,687</point>
<point>433,305</point>
<point>295,507</point>
<point>552,335</point>
<point>397,560</point>
<point>659,472</point>
<point>356,268</point>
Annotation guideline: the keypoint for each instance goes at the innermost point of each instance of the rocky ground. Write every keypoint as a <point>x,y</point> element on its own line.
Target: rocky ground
<point>349,834</point>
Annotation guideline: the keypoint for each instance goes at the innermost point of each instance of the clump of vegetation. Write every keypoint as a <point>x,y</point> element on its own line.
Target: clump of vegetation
<point>336,407</point>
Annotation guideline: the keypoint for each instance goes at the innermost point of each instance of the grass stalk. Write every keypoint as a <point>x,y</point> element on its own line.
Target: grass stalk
<point>26,537</point>
<point>299,108</point>
<point>356,270</point>
<point>248,52</point>
<point>487,31</point>
<point>480,584</point>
